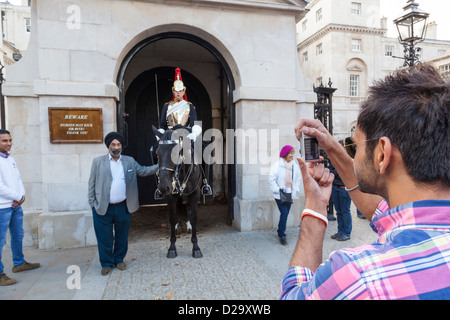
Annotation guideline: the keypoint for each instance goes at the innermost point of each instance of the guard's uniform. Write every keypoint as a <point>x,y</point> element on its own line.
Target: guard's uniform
<point>182,113</point>
<point>178,113</point>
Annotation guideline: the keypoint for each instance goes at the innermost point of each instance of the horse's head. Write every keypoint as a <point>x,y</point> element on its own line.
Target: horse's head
<point>169,151</point>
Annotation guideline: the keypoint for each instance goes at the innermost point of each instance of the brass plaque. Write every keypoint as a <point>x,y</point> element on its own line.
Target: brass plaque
<point>75,125</point>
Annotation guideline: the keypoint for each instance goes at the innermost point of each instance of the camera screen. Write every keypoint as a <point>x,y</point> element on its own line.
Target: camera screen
<point>311,149</point>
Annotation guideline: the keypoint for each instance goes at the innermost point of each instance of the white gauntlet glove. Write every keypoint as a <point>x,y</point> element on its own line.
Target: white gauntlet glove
<point>162,132</point>
<point>196,131</point>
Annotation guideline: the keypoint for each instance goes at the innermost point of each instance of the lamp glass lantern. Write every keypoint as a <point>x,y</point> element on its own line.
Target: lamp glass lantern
<point>412,26</point>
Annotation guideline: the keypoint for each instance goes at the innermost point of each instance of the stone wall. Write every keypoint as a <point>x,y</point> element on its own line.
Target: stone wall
<point>73,59</point>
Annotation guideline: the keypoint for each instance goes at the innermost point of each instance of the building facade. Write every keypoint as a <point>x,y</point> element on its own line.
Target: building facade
<point>238,61</point>
<point>346,41</point>
<point>15,27</point>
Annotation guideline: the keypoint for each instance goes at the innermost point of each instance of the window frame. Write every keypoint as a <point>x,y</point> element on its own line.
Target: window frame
<point>354,85</point>
<point>358,47</point>
<point>356,8</point>
<point>319,15</point>
<point>319,49</point>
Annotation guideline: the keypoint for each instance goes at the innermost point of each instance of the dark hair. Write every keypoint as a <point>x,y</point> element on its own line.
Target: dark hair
<point>411,108</point>
<point>4,131</point>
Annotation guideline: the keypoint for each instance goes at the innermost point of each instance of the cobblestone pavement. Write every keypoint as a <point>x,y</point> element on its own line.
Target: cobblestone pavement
<point>235,265</point>
<point>231,269</point>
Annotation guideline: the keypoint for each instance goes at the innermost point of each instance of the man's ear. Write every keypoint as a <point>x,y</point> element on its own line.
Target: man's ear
<point>383,154</point>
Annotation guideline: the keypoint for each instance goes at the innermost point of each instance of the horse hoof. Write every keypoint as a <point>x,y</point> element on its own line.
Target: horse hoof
<point>197,254</point>
<point>171,254</point>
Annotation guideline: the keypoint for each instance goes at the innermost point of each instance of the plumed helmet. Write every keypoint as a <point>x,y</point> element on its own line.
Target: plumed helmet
<point>178,84</point>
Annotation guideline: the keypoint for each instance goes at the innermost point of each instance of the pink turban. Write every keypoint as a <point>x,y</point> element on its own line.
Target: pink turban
<point>285,151</point>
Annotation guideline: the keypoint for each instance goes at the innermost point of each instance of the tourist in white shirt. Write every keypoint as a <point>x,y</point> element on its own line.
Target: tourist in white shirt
<point>12,195</point>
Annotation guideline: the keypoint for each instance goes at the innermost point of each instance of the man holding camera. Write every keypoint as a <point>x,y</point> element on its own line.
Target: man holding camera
<point>400,179</point>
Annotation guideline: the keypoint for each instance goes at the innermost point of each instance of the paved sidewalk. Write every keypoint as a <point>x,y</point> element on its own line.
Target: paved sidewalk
<point>235,265</point>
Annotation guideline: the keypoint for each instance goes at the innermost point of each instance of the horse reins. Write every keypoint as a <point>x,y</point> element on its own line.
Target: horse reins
<point>175,180</point>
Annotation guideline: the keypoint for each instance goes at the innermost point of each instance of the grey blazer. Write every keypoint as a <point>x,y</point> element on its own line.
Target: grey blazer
<point>101,178</point>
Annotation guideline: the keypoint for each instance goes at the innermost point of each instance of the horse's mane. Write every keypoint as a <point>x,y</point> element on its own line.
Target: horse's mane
<point>167,135</point>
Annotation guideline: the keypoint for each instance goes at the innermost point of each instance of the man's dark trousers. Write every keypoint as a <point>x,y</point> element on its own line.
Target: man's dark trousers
<point>112,234</point>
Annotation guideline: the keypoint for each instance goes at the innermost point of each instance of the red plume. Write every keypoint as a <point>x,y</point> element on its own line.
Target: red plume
<point>178,74</point>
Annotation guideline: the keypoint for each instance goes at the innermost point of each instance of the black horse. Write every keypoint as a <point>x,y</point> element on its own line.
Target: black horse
<point>179,177</point>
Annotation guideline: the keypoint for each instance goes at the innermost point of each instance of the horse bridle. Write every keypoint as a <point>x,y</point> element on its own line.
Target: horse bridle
<point>168,142</point>
<point>177,187</point>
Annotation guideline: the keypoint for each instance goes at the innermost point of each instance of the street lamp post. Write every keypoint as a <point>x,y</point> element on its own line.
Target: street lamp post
<point>323,110</point>
<point>411,29</point>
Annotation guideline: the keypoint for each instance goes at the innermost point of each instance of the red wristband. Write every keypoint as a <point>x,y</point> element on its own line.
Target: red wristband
<point>312,213</point>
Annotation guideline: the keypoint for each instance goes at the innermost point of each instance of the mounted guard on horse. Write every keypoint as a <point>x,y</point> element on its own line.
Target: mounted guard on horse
<point>179,175</point>
<point>180,113</point>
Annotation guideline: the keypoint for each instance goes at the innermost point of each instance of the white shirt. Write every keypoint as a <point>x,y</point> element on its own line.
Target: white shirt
<point>118,187</point>
<point>11,186</point>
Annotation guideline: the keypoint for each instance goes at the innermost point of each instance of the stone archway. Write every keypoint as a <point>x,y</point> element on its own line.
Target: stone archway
<point>144,99</point>
<point>223,92</point>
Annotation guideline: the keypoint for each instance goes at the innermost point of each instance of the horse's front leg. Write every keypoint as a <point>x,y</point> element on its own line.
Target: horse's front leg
<point>172,252</point>
<point>188,210</point>
<point>196,252</point>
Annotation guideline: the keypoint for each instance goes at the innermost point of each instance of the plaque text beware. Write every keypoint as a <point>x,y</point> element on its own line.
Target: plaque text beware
<point>75,125</point>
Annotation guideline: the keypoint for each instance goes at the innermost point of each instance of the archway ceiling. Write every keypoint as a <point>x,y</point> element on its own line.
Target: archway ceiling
<point>167,52</point>
<point>176,49</point>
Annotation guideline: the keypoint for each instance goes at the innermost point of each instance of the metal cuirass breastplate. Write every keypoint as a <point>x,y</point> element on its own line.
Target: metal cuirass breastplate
<point>178,114</point>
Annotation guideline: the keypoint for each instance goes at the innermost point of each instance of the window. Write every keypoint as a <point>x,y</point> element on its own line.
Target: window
<point>304,25</point>
<point>441,52</point>
<point>388,51</point>
<point>356,8</point>
<point>319,49</point>
<point>305,56</point>
<point>356,45</point>
<point>28,25</point>
<point>319,15</point>
<point>354,85</point>
<point>444,68</point>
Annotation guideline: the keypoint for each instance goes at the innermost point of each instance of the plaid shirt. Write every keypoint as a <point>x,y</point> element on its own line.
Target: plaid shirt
<point>410,259</point>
